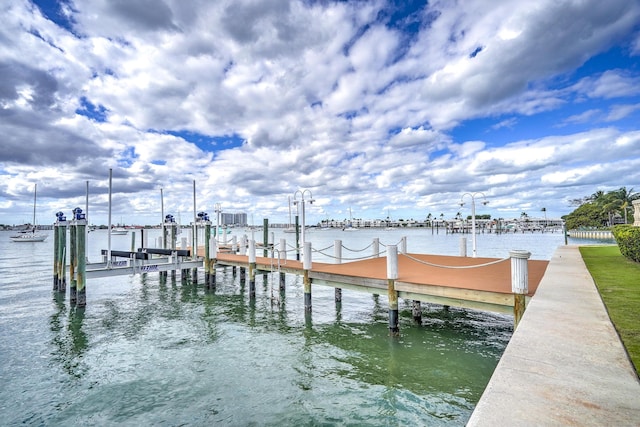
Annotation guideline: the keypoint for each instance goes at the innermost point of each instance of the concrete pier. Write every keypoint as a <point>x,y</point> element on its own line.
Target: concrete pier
<point>565,364</point>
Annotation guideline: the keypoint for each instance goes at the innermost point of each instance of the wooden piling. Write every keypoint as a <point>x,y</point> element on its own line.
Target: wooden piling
<point>81,256</point>
<point>281,256</point>
<point>416,311</point>
<point>463,246</point>
<point>213,248</point>
<point>56,254</point>
<point>337,255</point>
<point>252,269</point>
<point>62,275</point>
<point>519,282</point>
<point>392,275</point>
<point>207,257</point>
<point>306,266</point>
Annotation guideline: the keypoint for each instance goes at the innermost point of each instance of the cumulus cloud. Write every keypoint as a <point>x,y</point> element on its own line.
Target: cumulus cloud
<point>365,106</point>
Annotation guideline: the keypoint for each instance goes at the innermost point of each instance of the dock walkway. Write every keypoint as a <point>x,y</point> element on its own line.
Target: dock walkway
<point>565,364</point>
<point>429,278</point>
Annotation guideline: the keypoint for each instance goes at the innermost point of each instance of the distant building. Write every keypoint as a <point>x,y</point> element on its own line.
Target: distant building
<point>233,219</point>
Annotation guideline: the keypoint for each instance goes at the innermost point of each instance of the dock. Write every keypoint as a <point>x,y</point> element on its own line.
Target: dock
<point>476,283</point>
<point>490,284</point>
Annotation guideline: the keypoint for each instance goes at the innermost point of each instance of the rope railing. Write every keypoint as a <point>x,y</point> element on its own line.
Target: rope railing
<point>454,266</point>
<point>347,259</point>
<point>396,244</point>
<point>358,250</point>
<point>288,246</point>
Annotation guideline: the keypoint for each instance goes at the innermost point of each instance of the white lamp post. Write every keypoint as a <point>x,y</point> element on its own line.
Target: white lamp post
<point>473,215</point>
<point>217,208</point>
<point>301,201</point>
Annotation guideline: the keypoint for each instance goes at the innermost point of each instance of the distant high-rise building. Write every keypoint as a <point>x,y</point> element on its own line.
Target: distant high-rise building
<point>235,219</point>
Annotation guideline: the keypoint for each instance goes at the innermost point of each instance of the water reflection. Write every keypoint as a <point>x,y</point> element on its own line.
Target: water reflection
<point>69,339</point>
<point>437,369</point>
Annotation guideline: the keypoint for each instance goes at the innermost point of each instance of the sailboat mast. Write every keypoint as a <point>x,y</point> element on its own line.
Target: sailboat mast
<point>35,191</point>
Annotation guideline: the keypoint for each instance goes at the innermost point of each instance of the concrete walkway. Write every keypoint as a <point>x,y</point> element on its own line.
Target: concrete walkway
<point>565,364</point>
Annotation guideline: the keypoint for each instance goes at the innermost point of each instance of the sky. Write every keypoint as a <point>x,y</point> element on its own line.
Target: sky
<point>372,109</point>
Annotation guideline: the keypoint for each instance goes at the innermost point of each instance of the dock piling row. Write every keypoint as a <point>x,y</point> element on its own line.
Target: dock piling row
<point>170,258</point>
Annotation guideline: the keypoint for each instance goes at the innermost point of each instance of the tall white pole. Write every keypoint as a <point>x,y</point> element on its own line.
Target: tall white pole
<point>109,221</point>
<point>473,217</point>
<point>302,233</point>
<point>473,225</point>
<point>195,230</point>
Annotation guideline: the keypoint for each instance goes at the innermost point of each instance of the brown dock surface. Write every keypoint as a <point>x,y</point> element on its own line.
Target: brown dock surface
<point>419,269</point>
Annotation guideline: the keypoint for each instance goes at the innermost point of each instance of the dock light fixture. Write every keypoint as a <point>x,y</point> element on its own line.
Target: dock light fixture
<point>301,202</point>
<point>473,215</point>
<point>60,216</point>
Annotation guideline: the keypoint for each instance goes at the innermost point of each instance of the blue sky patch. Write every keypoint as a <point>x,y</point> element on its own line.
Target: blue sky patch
<point>88,109</point>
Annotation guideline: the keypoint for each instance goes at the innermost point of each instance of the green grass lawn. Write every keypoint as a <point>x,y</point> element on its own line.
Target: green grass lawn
<point>618,281</point>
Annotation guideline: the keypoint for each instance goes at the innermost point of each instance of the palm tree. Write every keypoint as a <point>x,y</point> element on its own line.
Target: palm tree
<point>626,197</point>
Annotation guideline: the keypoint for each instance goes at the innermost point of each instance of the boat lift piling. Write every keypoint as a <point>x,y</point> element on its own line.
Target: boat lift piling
<point>252,269</point>
<point>337,255</point>
<point>306,266</point>
<point>59,249</point>
<point>392,275</point>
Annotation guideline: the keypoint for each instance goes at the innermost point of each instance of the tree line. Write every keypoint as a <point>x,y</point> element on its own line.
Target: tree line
<point>602,209</point>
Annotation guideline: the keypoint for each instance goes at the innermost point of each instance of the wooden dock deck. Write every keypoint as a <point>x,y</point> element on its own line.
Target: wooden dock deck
<point>446,280</point>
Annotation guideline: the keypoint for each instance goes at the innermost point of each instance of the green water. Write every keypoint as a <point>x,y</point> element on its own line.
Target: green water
<point>147,352</point>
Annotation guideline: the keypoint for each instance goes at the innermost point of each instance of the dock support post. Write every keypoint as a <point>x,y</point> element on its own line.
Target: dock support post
<point>81,257</point>
<point>56,255</point>
<point>283,255</point>
<point>519,282</point>
<point>416,310</point>
<point>62,257</point>
<point>392,275</point>
<point>73,263</point>
<point>265,246</point>
<point>173,242</point>
<point>207,254</point>
<point>306,266</point>
<point>213,248</point>
<point>376,247</point>
<point>337,254</point>
<point>403,245</point>
<point>463,246</point>
<point>252,269</point>
<point>297,239</point>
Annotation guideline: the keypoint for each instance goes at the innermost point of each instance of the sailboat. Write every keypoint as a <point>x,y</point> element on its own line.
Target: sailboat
<point>350,226</point>
<point>30,234</point>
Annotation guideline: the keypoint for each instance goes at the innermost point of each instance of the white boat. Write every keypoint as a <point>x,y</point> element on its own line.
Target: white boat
<point>31,233</point>
<point>119,231</point>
